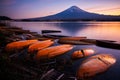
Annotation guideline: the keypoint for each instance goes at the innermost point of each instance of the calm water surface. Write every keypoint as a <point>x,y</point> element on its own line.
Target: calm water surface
<point>92,30</point>
<point>97,30</point>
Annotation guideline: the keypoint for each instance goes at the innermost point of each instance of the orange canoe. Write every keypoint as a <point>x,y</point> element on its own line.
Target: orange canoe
<point>82,53</point>
<point>72,38</point>
<point>94,65</point>
<point>40,45</point>
<point>18,45</point>
<point>52,52</point>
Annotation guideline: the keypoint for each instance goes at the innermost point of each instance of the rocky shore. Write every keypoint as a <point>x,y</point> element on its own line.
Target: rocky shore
<point>16,66</point>
<point>26,55</point>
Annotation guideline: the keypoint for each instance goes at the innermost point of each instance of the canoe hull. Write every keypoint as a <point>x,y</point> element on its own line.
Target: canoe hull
<point>18,45</point>
<point>82,53</point>
<point>52,52</point>
<point>107,44</point>
<point>39,45</point>
<point>95,65</point>
<point>73,38</point>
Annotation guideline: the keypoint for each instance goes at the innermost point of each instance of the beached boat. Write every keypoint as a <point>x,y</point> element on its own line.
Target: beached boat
<point>94,41</point>
<point>53,36</point>
<point>82,53</point>
<point>18,45</point>
<point>52,52</point>
<point>43,38</point>
<point>108,44</point>
<point>39,45</point>
<point>95,65</point>
<point>50,31</point>
<point>80,41</point>
<point>74,42</point>
<point>73,38</point>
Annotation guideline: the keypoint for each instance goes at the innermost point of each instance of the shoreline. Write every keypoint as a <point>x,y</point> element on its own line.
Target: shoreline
<point>19,67</point>
<point>11,33</point>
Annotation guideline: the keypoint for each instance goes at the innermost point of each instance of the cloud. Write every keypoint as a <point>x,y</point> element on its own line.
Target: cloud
<point>7,2</point>
<point>108,9</point>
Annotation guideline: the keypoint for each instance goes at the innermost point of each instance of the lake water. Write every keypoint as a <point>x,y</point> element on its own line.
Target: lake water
<point>92,30</point>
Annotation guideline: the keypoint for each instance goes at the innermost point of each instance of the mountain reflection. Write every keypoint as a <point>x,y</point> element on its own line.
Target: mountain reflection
<point>97,30</point>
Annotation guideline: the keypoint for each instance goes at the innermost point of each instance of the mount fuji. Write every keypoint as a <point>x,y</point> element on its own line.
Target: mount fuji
<point>74,13</point>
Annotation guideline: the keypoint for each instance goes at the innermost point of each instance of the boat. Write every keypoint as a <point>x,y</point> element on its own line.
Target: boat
<point>43,38</point>
<point>73,42</point>
<point>94,41</point>
<point>73,38</point>
<point>107,44</point>
<point>52,52</point>
<point>39,45</point>
<point>95,65</point>
<point>50,31</point>
<point>18,45</point>
<point>53,36</point>
<point>82,53</point>
<point>80,41</point>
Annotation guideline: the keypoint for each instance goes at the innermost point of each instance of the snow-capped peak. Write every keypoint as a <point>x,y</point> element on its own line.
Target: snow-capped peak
<point>75,9</point>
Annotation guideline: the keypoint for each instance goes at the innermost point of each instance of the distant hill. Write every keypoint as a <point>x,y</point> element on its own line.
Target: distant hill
<point>5,18</point>
<point>74,13</point>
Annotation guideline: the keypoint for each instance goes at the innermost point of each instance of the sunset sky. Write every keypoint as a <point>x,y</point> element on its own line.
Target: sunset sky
<point>18,9</point>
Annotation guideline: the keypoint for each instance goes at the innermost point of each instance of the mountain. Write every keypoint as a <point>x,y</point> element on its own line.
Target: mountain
<point>75,13</point>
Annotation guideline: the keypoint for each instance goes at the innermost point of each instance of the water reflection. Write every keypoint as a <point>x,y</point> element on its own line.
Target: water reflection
<point>72,27</point>
<point>96,30</point>
<point>102,31</point>
<point>38,26</point>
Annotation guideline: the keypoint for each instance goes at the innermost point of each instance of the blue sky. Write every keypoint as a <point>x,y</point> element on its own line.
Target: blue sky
<point>18,9</point>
